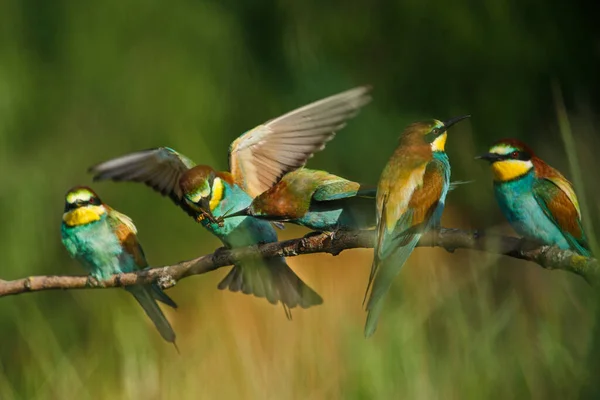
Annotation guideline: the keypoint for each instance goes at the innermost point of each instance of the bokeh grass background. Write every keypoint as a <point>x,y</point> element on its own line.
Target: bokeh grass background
<point>81,82</point>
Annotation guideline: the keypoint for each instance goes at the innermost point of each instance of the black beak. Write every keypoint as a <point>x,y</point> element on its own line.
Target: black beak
<point>491,157</point>
<point>242,213</point>
<point>452,121</point>
<point>205,205</point>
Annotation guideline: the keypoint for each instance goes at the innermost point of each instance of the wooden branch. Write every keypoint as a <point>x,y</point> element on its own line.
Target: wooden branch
<point>449,239</point>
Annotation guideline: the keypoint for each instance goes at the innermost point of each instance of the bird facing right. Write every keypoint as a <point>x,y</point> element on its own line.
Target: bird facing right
<point>410,199</point>
<point>536,199</point>
<point>317,200</point>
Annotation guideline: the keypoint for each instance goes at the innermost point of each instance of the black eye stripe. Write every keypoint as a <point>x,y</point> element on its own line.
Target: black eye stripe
<point>94,201</point>
<point>433,134</point>
<point>521,156</point>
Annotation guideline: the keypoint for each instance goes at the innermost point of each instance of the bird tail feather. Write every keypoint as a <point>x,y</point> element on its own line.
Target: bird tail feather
<point>272,279</point>
<point>385,270</point>
<point>147,296</point>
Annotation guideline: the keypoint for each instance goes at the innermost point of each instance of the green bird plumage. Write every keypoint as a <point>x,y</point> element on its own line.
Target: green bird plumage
<point>410,199</point>
<point>316,199</point>
<point>257,160</point>
<point>104,241</point>
<point>536,199</point>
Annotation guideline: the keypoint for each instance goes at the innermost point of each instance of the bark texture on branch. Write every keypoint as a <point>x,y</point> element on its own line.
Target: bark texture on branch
<point>449,239</point>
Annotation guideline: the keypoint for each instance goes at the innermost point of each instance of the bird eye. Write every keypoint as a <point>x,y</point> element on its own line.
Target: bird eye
<point>435,131</point>
<point>514,154</point>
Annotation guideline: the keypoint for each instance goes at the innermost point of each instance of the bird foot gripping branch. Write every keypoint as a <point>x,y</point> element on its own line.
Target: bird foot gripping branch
<point>166,281</point>
<point>93,282</point>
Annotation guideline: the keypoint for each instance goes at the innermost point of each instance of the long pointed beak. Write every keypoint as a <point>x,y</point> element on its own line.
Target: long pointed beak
<point>491,157</point>
<point>452,121</point>
<point>241,213</point>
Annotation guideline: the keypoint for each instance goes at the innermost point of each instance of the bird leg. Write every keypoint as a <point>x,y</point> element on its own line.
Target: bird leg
<point>312,234</point>
<point>329,234</point>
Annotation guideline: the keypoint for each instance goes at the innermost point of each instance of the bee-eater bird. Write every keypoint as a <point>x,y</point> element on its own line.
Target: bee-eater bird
<point>104,241</point>
<point>410,199</point>
<point>537,200</point>
<point>257,160</point>
<point>317,200</point>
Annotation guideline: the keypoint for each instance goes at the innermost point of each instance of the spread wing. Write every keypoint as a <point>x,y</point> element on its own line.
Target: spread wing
<point>556,197</point>
<point>261,156</point>
<point>159,168</point>
<point>399,228</point>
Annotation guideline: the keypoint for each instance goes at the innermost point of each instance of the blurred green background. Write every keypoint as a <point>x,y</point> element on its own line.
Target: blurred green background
<point>83,81</point>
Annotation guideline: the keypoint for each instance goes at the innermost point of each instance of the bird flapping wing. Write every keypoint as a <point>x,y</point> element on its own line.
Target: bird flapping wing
<point>159,168</point>
<point>261,156</point>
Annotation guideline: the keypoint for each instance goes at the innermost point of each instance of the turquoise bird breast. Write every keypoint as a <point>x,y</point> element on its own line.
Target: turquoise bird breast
<point>97,248</point>
<point>437,214</point>
<point>238,231</point>
<point>523,212</point>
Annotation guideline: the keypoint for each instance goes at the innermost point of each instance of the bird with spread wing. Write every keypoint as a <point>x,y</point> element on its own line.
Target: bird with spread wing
<point>257,160</point>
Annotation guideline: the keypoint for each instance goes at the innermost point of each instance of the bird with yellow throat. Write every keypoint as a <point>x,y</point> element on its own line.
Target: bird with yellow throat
<point>411,194</point>
<point>105,242</point>
<point>536,199</point>
<point>257,160</point>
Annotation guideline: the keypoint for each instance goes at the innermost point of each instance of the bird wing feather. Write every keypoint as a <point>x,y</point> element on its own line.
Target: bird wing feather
<point>399,229</point>
<point>342,189</point>
<point>556,197</point>
<point>159,168</point>
<point>126,232</point>
<point>261,156</point>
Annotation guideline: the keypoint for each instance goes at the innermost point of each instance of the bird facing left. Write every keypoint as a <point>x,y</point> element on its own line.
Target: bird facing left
<point>104,242</point>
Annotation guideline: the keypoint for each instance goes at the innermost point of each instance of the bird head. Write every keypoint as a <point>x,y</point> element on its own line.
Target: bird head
<point>202,189</point>
<point>432,132</point>
<point>82,206</point>
<point>510,159</point>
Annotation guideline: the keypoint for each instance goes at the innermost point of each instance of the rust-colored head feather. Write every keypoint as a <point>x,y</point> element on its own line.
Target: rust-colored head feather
<point>199,177</point>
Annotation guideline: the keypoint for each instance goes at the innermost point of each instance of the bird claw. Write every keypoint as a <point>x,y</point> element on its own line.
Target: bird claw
<point>93,282</point>
<point>329,234</point>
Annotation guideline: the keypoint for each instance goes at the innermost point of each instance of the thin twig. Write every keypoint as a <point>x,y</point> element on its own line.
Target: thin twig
<point>449,239</point>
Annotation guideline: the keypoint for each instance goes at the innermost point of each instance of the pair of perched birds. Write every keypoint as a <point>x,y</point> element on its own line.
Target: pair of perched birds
<point>267,185</point>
